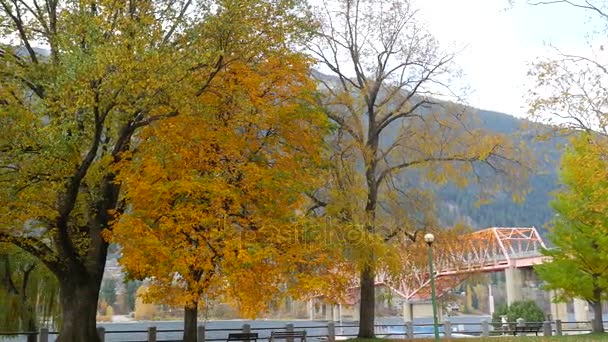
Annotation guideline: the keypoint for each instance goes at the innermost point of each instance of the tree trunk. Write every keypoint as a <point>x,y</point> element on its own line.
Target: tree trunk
<point>367,305</point>
<point>598,325</point>
<point>28,315</point>
<point>367,308</point>
<point>31,327</point>
<point>32,338</point>
<point>190,324</point>
<point>78,297</point>
<point>596,304</point>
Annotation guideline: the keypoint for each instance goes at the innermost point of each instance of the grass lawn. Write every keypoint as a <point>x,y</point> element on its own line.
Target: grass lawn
<point>571,338</point>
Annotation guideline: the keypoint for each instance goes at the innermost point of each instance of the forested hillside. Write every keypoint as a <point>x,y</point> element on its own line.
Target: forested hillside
<point>462,204</point>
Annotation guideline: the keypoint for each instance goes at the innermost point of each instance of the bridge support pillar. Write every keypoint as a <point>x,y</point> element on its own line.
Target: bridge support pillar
<point>336,313</point>
<point>339,314</point>
<point>580,310</point>
<point>310,306</point>
<point>330,311</point>
<point>514,284</point>
<point>356,310</point>
<point>408,311</point>
<point>559,310</point>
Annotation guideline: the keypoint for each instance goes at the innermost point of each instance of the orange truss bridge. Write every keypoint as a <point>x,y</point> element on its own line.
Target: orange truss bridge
<point>489,250</point>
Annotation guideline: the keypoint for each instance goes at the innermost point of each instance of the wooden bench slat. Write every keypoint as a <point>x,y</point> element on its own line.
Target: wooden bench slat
<point>529,328</point>
<point>288,335</point>
<point>242,337</point>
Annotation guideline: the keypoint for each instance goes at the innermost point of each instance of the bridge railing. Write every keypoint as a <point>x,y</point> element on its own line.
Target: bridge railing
<point>476,264</point>
<point>330,331</point>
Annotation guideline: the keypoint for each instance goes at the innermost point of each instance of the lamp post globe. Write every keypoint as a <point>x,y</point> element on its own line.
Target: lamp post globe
<point>429,238</point>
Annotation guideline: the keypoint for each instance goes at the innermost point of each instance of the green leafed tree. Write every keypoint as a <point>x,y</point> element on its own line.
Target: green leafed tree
<point>579,266</point>
<point>29,293</point>
<point>570,94</point>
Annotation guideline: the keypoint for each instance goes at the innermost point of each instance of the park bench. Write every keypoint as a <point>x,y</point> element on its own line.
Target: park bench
<point>244,337</point>
<point>288,335</point>
<point>528,328</point>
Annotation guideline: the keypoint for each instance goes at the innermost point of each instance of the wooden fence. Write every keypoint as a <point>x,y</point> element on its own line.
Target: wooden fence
<point>332,332</point>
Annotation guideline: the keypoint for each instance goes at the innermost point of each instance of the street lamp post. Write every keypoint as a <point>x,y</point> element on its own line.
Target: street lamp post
<point>429,239</point>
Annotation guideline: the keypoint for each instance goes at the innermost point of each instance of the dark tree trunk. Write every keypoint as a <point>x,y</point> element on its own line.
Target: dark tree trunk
<point>367,304</point>
<point>596,304</point>
<point>80,271</point>
<point>31,325</point>
<point>367,308</point>
<point>29,312</point>
<point>598,325</point>
<point>78,297</point>
<point>190,324</point>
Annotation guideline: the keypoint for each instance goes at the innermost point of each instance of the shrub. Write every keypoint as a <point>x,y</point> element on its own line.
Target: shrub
<point>528,310</point>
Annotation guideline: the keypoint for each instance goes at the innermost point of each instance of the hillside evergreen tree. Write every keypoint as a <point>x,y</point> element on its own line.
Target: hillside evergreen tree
<point>108,291</point>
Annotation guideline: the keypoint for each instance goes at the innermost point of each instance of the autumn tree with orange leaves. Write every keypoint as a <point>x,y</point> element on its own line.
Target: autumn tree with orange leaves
<point>215,195</point>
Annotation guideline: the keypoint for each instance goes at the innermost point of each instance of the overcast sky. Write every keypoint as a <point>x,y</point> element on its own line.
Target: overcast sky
<point>500,42</point>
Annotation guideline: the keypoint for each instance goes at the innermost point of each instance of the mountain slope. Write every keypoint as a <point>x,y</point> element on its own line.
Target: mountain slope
<point>460,204</point>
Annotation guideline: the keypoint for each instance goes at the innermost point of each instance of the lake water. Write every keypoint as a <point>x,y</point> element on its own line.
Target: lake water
<point>218,330</point>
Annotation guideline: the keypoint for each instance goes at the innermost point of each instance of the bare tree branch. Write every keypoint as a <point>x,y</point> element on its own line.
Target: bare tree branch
<point>588,5</point>
<point>35,247</point>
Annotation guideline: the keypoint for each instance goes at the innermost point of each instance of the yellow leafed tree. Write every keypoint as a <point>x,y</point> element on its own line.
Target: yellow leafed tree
<point>577,267</point>
<point>71,110</point>
<point>390,93</point>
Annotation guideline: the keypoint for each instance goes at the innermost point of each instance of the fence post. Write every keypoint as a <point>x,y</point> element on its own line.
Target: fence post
<point>151,334</point>
<point>485,328</point>
<point>558,327</point>
<point>289,328</point>
<point>409,329</point>
<point>331,332</point>
<point>44,335</point>
<point>101,332</point>
<point>246,328</point>
<point>592,323</point>
<point>547,331</point>
<point>200,333</point>
<point>520,323</point>
<point>447,328</point>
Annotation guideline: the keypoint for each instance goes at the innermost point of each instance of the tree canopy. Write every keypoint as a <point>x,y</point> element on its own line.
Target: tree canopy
<point>78,80</point>
<point>215,194</point>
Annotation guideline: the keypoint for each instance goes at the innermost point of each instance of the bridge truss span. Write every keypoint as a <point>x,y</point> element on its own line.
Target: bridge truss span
<point>488,250</point>
<point>496,248</point>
